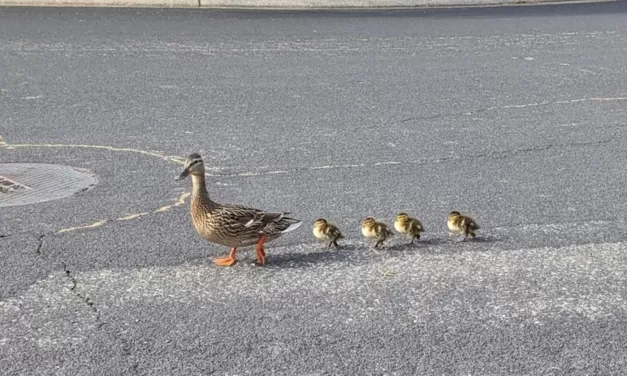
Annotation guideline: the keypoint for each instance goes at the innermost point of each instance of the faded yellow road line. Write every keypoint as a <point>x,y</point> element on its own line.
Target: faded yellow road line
<point>178,202</point>
<point>99,223</point>
<point>169,158</point>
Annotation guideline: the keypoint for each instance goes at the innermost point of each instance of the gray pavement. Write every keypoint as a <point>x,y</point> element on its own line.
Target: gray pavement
<point>515,115</point>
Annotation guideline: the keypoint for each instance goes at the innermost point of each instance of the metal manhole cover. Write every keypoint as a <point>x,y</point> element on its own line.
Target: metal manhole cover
<point>31,183</point>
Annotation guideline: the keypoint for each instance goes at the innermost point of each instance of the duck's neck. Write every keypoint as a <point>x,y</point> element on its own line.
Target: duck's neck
<point>199,189</point>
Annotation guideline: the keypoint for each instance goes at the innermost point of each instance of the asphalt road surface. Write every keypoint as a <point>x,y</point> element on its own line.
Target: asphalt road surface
<point>515,115</point>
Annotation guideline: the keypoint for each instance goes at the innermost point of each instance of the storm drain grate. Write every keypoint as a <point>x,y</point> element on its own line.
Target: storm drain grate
<point>8,185</point>
<point>31,183</point>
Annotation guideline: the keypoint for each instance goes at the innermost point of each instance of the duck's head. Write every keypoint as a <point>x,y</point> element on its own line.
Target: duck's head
<point>193,166</point>
<point>320,222</point>
<point>402,217</point>
<point>368,222</point>
<point>454,214</point>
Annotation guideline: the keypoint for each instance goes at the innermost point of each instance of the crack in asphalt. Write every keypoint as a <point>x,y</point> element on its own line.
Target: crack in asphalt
<point>40,243</point>
<point>491,154</point>
<point>495,108</point>
<point>40,238</point>
<point>507,153</point>
<point>126,352</point>
<point>32,233</point>
<point>90,303</point>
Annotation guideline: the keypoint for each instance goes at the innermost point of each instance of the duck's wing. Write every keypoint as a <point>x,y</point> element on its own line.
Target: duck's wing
<point>470,223</point>
<point>382,230</point>
<point>416,226</point>
<point>261,218</point>
<point>333,232</point>
<point>261,221</point>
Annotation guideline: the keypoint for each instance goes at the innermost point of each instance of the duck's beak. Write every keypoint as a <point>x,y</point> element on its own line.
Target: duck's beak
<point>183,175</point>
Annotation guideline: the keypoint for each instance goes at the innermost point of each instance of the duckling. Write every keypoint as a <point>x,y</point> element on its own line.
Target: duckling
<point>326,231</point>
<point>461,224</point>
<point>233,226</point>
<point>372,229</point>
<point>405,224</point>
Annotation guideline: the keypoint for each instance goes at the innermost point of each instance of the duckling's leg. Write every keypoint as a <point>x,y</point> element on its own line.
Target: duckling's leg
<point>227,261</point>
<point>261,254</point>
<point>378,244</point>
<point>335,242</point>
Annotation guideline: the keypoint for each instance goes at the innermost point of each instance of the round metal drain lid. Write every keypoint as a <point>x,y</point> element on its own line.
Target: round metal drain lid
<point>31,183</point>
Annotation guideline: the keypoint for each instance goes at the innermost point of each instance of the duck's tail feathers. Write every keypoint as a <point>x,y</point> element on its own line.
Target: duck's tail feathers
<point>292,227</point>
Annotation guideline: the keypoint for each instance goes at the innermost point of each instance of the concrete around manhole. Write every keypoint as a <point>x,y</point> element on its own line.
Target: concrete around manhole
<point>31,183</point>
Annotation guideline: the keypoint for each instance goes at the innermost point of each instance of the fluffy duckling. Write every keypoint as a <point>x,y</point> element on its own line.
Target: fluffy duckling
<point>327,232</point>
<point>461,224</point>
<point>372,229</point>
<point>405,224</point>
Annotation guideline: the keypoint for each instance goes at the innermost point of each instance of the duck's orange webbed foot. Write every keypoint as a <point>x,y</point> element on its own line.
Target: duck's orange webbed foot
<point>227,261</point>
<point>261,254</point>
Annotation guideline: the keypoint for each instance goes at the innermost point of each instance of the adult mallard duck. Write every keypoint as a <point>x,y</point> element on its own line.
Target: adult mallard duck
<point>231,225</point>
<point>461,224</point>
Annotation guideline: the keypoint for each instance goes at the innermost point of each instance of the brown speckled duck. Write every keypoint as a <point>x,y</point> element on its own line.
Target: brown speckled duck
<point>231,225</point>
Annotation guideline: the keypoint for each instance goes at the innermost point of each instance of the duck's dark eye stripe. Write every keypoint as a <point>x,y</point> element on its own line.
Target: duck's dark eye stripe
<point>193,163</point>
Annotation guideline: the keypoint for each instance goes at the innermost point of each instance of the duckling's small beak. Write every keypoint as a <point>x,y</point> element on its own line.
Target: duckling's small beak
<point>183,175</point>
